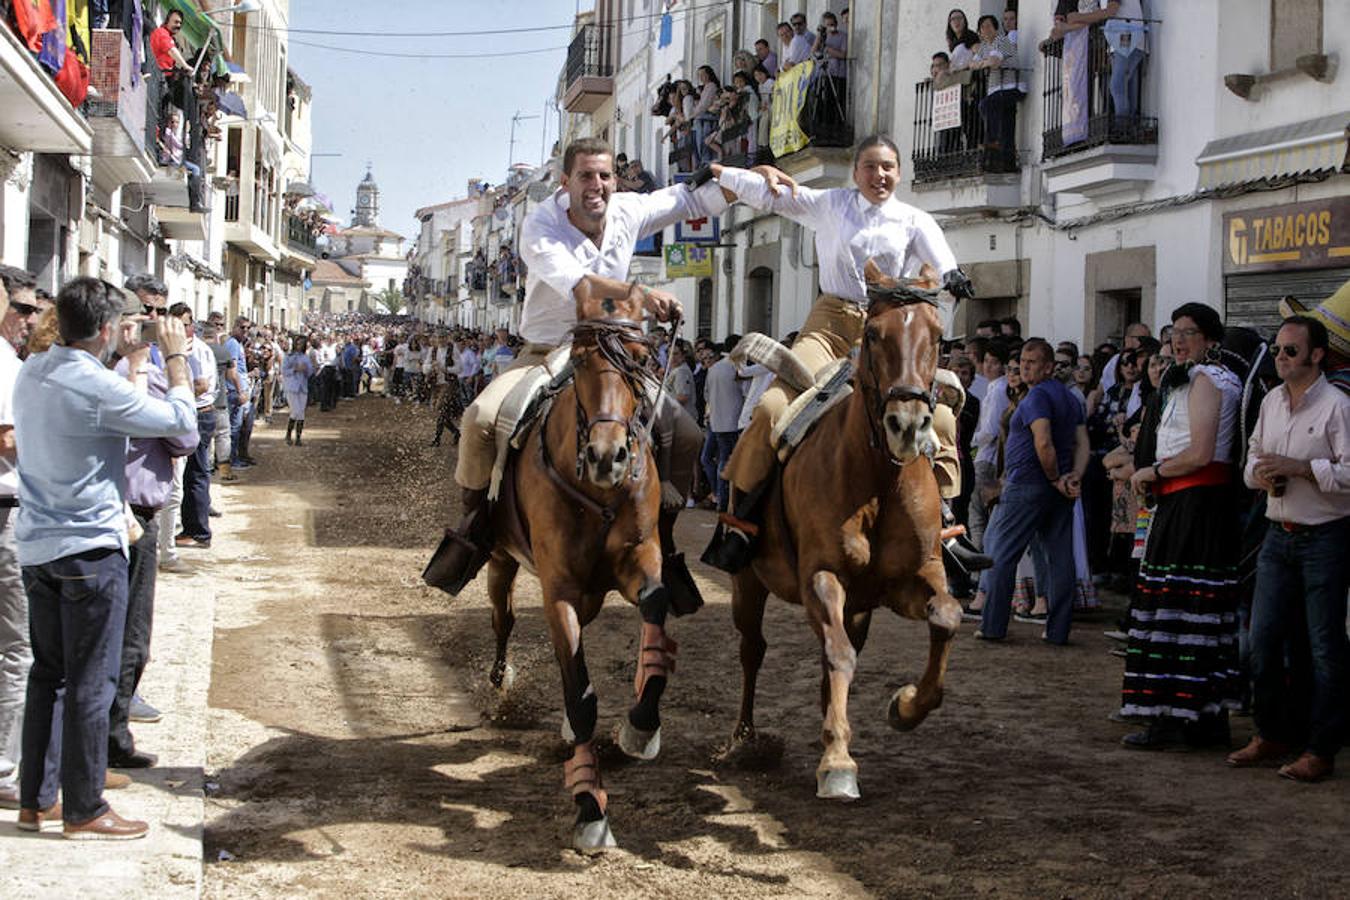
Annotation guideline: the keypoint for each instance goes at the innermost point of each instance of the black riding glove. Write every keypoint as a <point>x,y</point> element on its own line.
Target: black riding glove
<point>958,285</point>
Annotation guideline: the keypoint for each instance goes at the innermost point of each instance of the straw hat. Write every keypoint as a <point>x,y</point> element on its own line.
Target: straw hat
<point>1333,312</point>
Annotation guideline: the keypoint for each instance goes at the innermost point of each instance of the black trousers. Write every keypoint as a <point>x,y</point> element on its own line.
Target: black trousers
<point>141,568</point>
<point>328,388</point>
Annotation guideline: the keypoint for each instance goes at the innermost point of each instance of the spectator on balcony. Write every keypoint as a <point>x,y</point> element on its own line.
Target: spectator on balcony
<point>704,115</point>
<point>164,46</point>
<point>743,61</point>
<point>831,46</point>
<point>767,58</point>
<point>733,124</point>
<point>787,37</point>
<point>639,179</point>
<point>799,47</point>
<point>961,41</point>
<point>997,55</point>
<point>764,120</point>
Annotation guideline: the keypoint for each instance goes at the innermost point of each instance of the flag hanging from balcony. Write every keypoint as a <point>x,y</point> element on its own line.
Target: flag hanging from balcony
<point>1074,93</point>
<point>667,31</point>
<point>789,96</point>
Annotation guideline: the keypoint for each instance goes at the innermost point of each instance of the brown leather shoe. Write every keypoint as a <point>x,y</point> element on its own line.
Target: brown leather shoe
<point>1309,768</point>
<point>1258,751</point>
<point>115,781</point>
<point>107,827</point>
<point>38,819</point>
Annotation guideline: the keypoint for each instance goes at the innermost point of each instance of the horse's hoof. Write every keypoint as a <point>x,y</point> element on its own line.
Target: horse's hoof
<point>503,677</point>
<point>903,712</point>
<point>837,784</point>
<point>593,837</point>
<point>639,744</point>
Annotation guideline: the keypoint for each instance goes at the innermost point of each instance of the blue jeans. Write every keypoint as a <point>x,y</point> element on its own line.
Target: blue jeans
<point>704,125</point>
<point>717,447</point>
<point>1024,511</point>
<point>1302,577</point>
<point>1125,83</point>
<point>197,480</point>
<point>77,608</point>
<point>237,410</point>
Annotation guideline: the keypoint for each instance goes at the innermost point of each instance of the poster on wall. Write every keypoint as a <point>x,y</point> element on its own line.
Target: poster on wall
<point>947,108</point>
<point>688,261</point>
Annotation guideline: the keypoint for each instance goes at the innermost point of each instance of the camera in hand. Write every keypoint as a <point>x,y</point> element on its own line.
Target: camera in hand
<point>1278,484</point>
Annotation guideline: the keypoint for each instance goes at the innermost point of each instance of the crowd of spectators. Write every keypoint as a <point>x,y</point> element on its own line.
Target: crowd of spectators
<point>712,120</point>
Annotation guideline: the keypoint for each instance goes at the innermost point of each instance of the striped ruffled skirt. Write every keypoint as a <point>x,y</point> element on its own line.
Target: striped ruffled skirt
<point>1182,655</point>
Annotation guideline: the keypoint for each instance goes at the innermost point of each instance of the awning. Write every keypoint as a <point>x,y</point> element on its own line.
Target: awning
<point>231,104</point>
<point>1315,145</point>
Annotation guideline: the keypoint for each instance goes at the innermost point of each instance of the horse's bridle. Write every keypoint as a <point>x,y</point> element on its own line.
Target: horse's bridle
<point>607,338</point>
<point>900,295</point>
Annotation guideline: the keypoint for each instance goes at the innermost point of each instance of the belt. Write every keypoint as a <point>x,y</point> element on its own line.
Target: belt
<point>1212,474</point>
<point>9,502</point>
<point>210,407</point>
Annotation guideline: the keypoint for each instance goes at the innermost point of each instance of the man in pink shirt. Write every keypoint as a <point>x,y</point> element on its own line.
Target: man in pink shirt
<point>1300,456</point>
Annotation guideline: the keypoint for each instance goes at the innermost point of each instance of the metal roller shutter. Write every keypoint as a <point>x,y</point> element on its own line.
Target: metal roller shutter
<point>1253,300</point>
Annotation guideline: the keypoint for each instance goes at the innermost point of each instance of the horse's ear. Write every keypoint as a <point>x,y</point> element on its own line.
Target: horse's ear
<point>874,277</point>
<point>928,278</point>
<point>590,305</point>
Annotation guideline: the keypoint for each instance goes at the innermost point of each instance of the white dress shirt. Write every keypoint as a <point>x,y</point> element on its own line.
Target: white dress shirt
<point>1318,431</point>
<point>850,230</point>
<point>206,366</point>
<point>992,406</point>
<point>800,49</point>
<point>557,255</point>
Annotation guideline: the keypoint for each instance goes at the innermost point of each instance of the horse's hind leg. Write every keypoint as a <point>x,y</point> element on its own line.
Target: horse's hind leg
<point>748,596</point>
<point>582,772</point>
<point>837,774</point>
<point>501,575</point>
<point>912,703</point>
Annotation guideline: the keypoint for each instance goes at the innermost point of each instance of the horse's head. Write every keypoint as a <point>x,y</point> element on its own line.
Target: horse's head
<point>899,360</point>
<point>609,357</point>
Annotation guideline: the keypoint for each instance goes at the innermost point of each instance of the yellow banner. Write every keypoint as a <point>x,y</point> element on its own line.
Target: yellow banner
<point>789,96</point>
<point>688,261</point>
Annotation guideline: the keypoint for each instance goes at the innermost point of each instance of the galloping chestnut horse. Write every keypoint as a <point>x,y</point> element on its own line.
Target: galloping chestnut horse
<point>579,508</point>
<point>853,524</point>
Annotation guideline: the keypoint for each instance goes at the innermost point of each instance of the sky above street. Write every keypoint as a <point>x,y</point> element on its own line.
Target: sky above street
<point>427,125</point>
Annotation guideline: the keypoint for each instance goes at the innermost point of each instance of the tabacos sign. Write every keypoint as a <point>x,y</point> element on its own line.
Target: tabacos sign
<point>1312,235</point>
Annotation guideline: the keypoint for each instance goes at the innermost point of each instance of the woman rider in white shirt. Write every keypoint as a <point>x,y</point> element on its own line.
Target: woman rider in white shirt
<point>851,225</point>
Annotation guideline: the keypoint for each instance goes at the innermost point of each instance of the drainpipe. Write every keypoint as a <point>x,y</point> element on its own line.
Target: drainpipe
<point>876,78</point>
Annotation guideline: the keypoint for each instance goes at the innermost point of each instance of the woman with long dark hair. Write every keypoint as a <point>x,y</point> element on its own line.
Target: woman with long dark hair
<point>1181,667</point>
<point>705,120</point>
<point>961,41</point>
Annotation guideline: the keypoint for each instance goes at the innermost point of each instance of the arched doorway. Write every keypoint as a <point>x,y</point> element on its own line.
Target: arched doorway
<point>705,308</point>
<point>759,302</point>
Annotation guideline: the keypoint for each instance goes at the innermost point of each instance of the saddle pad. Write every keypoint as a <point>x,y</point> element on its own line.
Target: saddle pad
<point>802,413</point>
<point>520,408</point>
<point>762,349</point>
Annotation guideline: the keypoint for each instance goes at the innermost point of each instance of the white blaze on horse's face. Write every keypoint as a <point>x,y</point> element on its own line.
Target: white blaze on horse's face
<point>904,343</point>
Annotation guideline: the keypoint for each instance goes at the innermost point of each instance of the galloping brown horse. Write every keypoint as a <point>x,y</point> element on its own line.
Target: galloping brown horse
<point>853,524</point>
<point>579,507</point>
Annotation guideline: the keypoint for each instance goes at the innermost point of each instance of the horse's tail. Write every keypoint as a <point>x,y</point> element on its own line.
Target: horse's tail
<point>762,349</point>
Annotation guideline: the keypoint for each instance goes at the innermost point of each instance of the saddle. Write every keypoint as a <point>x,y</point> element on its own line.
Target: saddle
<point>524,405</point>
<point>818,392</point>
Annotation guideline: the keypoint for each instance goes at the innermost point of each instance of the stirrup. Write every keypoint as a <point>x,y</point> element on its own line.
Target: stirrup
<point>460,555</point>
<point>729,550</point>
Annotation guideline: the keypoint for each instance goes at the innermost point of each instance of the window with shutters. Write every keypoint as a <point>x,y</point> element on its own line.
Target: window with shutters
<point>1295,30</point>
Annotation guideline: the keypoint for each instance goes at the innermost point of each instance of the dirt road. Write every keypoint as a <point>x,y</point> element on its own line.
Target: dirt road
<point>356,748</point>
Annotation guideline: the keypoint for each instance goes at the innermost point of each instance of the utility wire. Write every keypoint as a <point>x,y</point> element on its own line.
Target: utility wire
<point>475,33</point>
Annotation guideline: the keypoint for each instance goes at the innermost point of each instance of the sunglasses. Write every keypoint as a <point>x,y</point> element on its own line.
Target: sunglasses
<point>23,309</point>
<point>1290,351</point>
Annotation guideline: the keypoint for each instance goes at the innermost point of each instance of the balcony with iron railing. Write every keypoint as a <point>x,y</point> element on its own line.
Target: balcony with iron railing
<point>1097,135</point>
<point>299,236</point>
<point>588,77</point>
<point>811,122</point>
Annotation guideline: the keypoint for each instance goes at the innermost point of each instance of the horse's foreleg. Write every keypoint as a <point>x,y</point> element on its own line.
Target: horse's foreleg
<point>837,774</point>
<point>640,735</point>
<point>501,575</point>
<point>581,772</point>
<point>748,596</point>
<point>912,703</point>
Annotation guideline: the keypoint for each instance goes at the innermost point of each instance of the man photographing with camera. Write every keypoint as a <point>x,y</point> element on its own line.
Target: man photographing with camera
<point>72,419</point>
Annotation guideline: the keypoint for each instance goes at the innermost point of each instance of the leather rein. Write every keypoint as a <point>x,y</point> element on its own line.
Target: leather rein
<point>607,338</point>
<point>900,296</point>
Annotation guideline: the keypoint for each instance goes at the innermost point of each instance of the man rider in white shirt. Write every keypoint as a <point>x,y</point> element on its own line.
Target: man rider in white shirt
<point>577,246</point>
